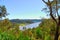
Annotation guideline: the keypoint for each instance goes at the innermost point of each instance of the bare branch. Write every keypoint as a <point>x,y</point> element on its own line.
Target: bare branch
<point>53,17</point>
<point>44,2</point>
<point>52,14</point>
<point>52,2</point>
<point>57,8</point>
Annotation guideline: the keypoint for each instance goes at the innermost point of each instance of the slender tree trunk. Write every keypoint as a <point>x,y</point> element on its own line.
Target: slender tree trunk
<point>57,31</point>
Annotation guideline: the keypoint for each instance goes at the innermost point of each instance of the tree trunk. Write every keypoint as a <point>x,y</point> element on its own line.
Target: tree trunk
<point>57,31</point>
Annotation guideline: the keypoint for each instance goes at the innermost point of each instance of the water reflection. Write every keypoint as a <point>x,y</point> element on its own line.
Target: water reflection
<point>33,25</point>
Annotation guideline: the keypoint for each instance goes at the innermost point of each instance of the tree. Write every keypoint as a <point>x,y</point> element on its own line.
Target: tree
<point>3,11</point>
<point>54,5</point>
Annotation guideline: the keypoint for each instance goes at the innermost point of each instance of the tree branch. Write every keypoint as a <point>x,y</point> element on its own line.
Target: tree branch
<point>57,8</point>
<point>44,2</point>
<point>52,14</point>
<point>50,7</point>
<point>52,2</point>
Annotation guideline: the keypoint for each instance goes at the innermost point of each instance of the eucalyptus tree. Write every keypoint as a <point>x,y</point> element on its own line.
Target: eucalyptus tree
<point>53,7</point>
<point>3,11</point>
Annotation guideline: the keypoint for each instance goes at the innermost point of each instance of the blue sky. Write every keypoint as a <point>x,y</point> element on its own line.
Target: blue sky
<point>24,9</point>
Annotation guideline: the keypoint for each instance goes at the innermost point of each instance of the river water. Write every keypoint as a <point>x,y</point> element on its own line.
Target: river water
<point>33,25</point>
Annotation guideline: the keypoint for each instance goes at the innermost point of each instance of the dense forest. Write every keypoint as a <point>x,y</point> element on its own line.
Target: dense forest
<point>10,31</point>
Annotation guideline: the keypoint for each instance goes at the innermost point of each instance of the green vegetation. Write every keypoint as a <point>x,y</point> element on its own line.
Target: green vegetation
<point>10,31</point>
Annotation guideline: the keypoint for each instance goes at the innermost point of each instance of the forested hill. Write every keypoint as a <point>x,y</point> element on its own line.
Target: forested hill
<point>25,20</point>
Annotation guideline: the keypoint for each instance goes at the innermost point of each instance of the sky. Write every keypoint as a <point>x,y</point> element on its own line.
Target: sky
<point>24,9</point>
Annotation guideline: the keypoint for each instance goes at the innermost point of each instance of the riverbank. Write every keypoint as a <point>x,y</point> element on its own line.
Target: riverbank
<point>27,26</point>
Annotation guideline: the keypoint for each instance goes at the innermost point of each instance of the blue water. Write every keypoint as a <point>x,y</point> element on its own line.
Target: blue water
<point>33,25</point>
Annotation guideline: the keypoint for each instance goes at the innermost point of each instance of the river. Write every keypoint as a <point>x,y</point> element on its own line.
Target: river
<point>33,25</point>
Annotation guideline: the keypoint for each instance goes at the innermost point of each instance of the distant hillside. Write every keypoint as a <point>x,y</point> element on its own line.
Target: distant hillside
<point>25,20</point>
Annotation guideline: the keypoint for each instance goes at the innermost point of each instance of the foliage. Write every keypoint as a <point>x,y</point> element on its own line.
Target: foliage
<point>3,11</point>
<point>10,31</point>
